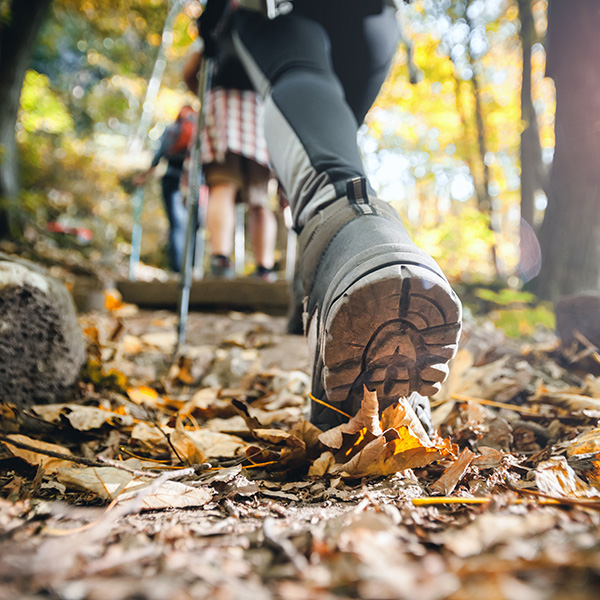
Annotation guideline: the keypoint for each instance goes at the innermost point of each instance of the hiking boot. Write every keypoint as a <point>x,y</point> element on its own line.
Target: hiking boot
<point>381,313</point>
<point>264,273</point>
<point>221,267</point>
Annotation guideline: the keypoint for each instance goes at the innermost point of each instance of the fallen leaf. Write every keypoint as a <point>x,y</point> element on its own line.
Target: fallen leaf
<point>366,418</point>
<point>143,395</point>
<point>171,494</point>
<point>162,340</point>
<point>401,414</point>
<point>82,418</point>
<point>213,444</point>
<point>113,300</point>
<point>454,473</point>
<point>566,400</point>
<point>185,445</point>
<point>360,447</point>
<point>150,436</point>
<point>48,463</point>
<point>106,482</point>
<point>586,443</point>
<point>555,477</point>
<point>489,458</point>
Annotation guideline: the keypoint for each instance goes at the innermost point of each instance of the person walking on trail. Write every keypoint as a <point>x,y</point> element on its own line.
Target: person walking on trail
<point>380,314</point>
<point>235,160</point>
<point>174,147</point>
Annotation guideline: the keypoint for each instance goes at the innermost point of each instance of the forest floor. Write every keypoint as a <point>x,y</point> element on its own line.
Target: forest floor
<point>504,502</point>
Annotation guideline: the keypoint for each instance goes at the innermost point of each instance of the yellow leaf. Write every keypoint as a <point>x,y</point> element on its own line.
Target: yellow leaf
<point>113,299</point>
<point>586,443</point>
<point>363,448</point>
<point>367,417</point>
<point>143,395</point>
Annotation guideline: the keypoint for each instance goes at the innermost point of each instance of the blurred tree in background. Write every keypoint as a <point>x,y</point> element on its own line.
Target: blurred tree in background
<point>570,234</point>
<point>464,154</point>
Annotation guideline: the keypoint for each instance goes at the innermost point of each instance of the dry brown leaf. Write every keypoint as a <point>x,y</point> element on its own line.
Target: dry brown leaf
<point>106,482</point>
<point>213,444</point>
<point>454,473</point>
<point>401,414</point>
<point>556,477</point>
<point>149,435</point>
<point>185,445</point>
<point>489,458</point>
<point>366,418</point>
<point>393,452</point>
<point>291,447</point>
<point>171,494</point>
<point>586,443</point>
<point>206,404</point>
<point>361,448</point>
<point>82,418</point>
<point>322,465</point>
<point>308,433</point>
<point>566,400</point>
<point>48,463</point>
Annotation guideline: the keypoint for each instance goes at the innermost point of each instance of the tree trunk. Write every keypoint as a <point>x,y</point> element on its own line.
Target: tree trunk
<point>531,149</point>
<point>41,344</point>
<point>17,35</point>
<point>484,200</point>
<point>570,233</point>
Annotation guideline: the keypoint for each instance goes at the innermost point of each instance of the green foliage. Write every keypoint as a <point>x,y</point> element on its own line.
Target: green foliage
<point>41,108</point>
<point>518,314</point>
<point>505,297</point>
<point>524,322</point>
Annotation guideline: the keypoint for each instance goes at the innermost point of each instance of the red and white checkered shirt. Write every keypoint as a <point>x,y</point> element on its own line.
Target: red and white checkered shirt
<point>233,123</point>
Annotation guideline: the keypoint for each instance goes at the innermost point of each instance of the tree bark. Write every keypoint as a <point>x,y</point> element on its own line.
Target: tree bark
<point>531,149</point>
<point>570,233</point>
<point>16,41</point>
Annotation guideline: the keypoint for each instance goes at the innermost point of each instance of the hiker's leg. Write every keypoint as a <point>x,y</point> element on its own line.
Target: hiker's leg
<point>261,220</point>
<point>309,127</point>
<point>177,216</point>
<point>220,218</point>
<point>381,312</point>
<point>224,181</point>
<point>362,47</point>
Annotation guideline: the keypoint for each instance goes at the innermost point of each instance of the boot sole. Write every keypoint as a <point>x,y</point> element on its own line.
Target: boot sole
<point>394,330</point>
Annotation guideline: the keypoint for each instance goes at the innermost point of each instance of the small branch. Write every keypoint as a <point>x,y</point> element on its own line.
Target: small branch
<point>88,462</point>
<point>76,459</point>
<point>578,502</point>
<point>521,409</point>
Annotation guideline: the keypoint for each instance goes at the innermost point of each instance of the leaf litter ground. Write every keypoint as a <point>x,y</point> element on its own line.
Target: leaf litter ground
<point>202,478</point>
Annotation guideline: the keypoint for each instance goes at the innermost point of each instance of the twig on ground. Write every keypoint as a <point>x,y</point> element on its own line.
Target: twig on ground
<point>521,409</point>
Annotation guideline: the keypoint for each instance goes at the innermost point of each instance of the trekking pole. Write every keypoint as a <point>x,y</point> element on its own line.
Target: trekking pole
<point>136,232</point>
<point>193,201</point>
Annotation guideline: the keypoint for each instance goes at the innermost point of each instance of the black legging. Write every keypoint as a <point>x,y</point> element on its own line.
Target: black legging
<point>319,70</point>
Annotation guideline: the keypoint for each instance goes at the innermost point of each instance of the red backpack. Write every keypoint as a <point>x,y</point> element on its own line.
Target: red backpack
<point>183,132</point>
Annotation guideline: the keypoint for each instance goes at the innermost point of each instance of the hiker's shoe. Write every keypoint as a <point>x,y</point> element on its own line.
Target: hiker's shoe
<point>381,312</point>
<point>264,274</point>
<point>221,267</point>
